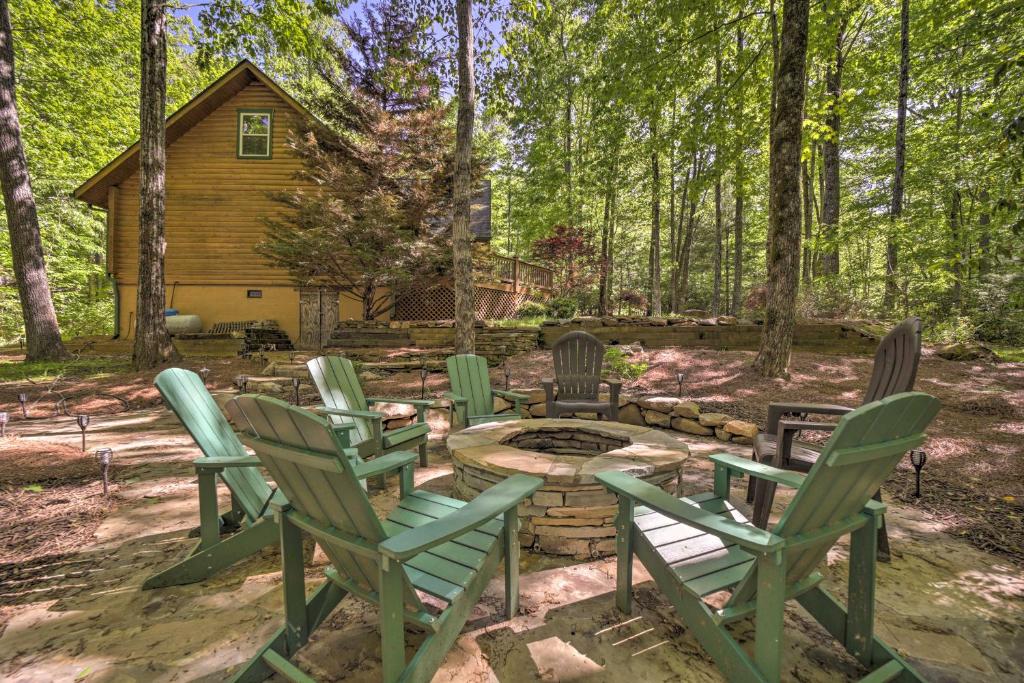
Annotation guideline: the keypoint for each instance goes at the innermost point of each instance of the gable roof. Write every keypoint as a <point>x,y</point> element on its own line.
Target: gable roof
<point>94,190</point>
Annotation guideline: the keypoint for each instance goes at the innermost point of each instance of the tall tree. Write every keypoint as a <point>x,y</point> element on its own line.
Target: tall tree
<point>654,262</point>
<point>716,266</point>
<point>786,143</point>
<point>462,245</point>
<point>896,207</point>
<point>739,180</point>
<point>152,341</point>
<point>830,149</point>
<point>42,333</point>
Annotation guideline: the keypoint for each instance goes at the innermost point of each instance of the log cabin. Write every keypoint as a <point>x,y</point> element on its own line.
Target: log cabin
<point>226,152</point>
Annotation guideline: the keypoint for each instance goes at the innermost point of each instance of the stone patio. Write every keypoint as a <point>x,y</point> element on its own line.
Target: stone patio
<point>572,514</point>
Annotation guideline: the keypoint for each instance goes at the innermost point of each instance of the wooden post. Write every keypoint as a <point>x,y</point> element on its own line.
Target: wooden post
<point>515,275</point>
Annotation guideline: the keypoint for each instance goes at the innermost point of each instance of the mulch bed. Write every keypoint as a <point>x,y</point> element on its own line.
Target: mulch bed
<point>51,501</point>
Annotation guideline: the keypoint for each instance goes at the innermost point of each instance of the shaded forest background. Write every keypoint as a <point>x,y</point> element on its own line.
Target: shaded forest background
<point>631,148</point>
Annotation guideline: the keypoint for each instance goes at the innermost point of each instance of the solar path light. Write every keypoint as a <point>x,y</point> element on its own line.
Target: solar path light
<point>104,456</point>
<point>83,424</point>
<point>918,458</point>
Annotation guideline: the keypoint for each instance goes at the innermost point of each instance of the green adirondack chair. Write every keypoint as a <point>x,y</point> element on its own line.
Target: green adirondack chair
<point>344,402</point>
<point>225,458</point>
<point>442,547</point>
<point>472,396</point>
<point>700,545</point>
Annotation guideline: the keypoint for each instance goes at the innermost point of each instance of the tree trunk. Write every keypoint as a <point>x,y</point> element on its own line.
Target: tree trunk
<point>655,259</point>
<point>830,159</point>
<point>152,342</point>
<point>738,189</point>
<point>784,185</point>
<point>684,257</point>
<point>716,266</point>
<point>896,208</point>
<point>462,245</point>
<point>805,263</point>
<point>42,333</point>
<point>604,285</point>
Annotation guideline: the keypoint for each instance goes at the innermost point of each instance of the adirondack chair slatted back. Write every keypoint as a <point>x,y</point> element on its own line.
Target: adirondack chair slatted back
<point>336,380</point>
<point>184,393</point>
<point>896,361</point>
<point>860,455</point>
<point>305,458</point>
<point>578,357</point>
<point>469,378</point>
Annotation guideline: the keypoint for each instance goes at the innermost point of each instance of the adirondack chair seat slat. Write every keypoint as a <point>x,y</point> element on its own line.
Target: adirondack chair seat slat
<point>412,520</point>
<point>696,556</point>
<point>454,550</point>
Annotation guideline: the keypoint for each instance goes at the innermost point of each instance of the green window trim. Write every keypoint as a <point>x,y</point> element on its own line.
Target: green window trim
<point>241,135</point>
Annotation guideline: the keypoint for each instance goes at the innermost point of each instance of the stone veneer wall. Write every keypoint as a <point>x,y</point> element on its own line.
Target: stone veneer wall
<point>571,519</point>
<point>667,412</point>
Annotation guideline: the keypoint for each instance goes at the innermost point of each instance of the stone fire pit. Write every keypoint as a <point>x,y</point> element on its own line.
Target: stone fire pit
<point>572,514</point>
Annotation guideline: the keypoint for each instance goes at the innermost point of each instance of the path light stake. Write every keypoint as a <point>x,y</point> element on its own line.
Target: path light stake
<point>508,373</point>
<point>83,423</point>
<point>918,458</point>
<point>423,381</point>
<point>4,417</point>
<point>295,385</point>
<point>104,456</point>
<point>205,374</point>
<point>21,342</point>
<point>679,381</point>
<point>23,400</point>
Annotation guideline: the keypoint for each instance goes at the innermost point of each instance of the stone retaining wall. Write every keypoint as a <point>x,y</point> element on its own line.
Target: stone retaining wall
<point>724,332</point>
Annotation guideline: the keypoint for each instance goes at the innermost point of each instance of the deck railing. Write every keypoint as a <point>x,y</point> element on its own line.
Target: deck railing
<point>521,274</point>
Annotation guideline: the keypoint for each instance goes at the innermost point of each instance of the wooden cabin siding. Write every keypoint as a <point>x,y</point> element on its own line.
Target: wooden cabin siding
<point>215,201</point>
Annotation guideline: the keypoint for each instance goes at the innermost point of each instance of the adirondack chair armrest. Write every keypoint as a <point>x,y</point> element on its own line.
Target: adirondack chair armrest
<point>735,463</point>
<point>392,462</point>
<point>365,414</point>
<point>777,411</point>
<point>418,402</point>
<point>611,382</point>
<point>801,426</point>
<point>455,398</point>
<point>746,536</point>
<point>493,502</point>
<point>510,395</point>
<point>549,388</point>
<point>223,462</point>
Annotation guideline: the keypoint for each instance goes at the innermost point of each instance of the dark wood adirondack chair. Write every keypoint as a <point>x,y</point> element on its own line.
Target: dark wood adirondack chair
<point>429,544</point>
<point>224,458</point>
<point>698,546</point>
<point>578,358</point>
<point>472,396</point>
<point>894,372</point>
<point>344,402</point>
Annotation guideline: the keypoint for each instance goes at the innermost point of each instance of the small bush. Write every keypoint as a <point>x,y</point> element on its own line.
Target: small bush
<point>532,309</point>
<point>562,307</point>
<point>616,360</point>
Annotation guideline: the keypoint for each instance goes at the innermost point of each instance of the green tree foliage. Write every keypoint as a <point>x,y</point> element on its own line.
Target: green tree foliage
<point>582,82</point>
<point>77,72</point>
<point>371,218</point>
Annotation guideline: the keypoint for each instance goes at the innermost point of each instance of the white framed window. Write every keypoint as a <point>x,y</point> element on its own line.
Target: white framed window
<point>255,133</point>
